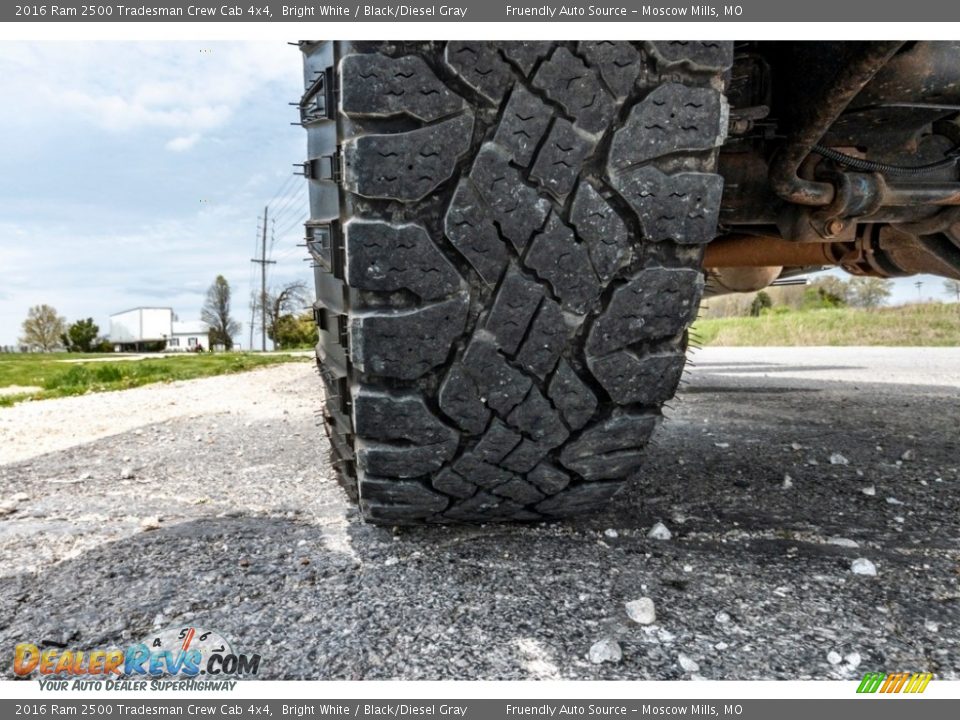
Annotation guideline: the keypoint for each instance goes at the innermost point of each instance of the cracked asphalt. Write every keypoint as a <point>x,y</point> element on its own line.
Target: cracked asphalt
<point>214,505</point>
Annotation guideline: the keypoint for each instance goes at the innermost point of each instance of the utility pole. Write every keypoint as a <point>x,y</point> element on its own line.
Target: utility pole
<point>919,286</point>
<point>263,262</point>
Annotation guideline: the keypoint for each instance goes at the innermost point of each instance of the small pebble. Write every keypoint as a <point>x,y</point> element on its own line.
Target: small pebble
<point>605,650</point>
<point>833,657</point>
<point>862,566</point>
<point>688,663</point>
<point>660,532</point>
<point>869,490</point>
<point>838,459</point>
<point>641,611</point>
<point>150,523</point>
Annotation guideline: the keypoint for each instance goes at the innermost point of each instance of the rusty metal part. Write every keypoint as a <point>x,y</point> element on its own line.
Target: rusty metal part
<point>879,251</point>
<point>942,221</point>
<point>738,251</point>
<point>816,118</point>
<point>725,280</point>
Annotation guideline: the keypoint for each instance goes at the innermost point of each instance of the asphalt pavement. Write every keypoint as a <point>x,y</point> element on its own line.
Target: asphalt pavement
<point>811,497</point>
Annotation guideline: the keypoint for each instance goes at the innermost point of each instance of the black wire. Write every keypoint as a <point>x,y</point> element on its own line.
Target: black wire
<point>863,165</point>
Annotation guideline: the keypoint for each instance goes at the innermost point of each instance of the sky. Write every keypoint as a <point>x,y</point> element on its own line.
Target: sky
<point>132,174</point>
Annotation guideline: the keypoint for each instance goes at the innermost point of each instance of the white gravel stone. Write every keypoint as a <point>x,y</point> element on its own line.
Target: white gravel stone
<point>150,523</point>
<point>853,660</point>
<point>862,566</point>
<point>908,455</point>
<point>838,459</point>
<point>787,482</point>
<point>605,650</point>
<point>641,611</point>
<point>843,542</point>
<point>688,663</point>
<point>869,490</point>
<point>126,472</point>
<point>611,533</point>
<point>660,532</point>
<point>834,658</point>
<point>894,501</point>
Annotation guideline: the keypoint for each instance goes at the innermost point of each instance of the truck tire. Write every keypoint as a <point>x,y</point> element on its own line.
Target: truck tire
<point>507,241</point>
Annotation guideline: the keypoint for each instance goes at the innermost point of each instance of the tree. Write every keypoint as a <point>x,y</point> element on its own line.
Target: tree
<point>760,303</point>
<point>952,287</point>
<point>290,300</point>
<point>869,292</point>
<point>43,328</point>
<point>295,331</point>
<point>216,314</point>
<point>81,336</point>
<point>833,291</point>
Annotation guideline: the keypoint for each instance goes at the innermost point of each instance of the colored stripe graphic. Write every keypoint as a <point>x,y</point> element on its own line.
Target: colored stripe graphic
<point>913,683</point>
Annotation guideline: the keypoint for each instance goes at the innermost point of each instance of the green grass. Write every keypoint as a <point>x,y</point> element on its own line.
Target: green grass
<point>60,379</point>
<point>928,324</point>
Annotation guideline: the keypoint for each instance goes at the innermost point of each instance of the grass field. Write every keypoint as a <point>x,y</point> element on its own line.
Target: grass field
<point>50,377</point>
<point>928,324</point>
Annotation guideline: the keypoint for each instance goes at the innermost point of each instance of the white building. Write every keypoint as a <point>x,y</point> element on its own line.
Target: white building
<point>185,336</point>
<point>142,327</point>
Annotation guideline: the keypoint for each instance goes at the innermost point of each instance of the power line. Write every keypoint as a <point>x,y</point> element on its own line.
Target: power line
<point>284,188</point>
<point>263,262</point>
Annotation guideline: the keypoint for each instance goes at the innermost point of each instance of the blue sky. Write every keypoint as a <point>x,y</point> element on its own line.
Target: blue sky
<point>133,173</point>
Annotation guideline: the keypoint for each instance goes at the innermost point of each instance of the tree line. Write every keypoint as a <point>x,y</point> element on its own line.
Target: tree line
<point>289,322</point>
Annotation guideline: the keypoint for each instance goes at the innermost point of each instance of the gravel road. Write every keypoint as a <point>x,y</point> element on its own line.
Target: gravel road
<point>213,503</point>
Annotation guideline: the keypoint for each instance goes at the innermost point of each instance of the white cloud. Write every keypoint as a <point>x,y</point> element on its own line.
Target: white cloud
<point>184,142</point>
<point>124,87</point>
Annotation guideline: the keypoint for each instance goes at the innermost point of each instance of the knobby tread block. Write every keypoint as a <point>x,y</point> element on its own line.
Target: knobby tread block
<point>579,499</point>
<point>699,55</point>
<point>375,85</point>
<point>469,226</point>
<point>385,257</point>
<point>480,66</point>
<point>398,435</point>
<point>517,208</point>
<point>673,118</point>
<point>498,329</point>
<point>525,120</point>
<point>646,380</point>
<point>501,385</point>
<point>611,448</point>
<point>545,341</point>
<point>568,81</point>
<point>558,258</point>
<point>526,54</point>
<point>496,442</point>
<point>656,303</point>
<point>461,401</point>
<point>406,343</point>
<point>406,166</point>
<point>513,309</point>
<point>559,160</point>
<point>548,478</point>
<point>573,397</point>
<point>618,62</point>
<point>602,229</point>
<point>683,207</point>
<point>401,499</point>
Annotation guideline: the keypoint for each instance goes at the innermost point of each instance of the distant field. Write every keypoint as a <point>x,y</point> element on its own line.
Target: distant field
<point>932,324</point>
<point>44,375</point>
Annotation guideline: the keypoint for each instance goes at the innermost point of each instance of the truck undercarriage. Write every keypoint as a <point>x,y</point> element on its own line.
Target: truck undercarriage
<point>839,154</point>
